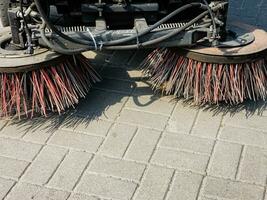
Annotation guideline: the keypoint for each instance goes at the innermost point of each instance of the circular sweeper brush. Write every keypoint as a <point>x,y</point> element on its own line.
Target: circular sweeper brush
<point>233,72</point>
<point>41,82</point>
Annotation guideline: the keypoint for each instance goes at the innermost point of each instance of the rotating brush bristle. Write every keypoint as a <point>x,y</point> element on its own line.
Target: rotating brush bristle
<point>206,82</point>
<point>54,87</point>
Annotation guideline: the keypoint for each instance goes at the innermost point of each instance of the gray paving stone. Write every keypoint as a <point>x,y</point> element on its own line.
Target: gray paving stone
<point>118,168</point>
<point>38,130</point>
<point>264,113</point>
<point>145,119</point>
<point>185,186</point>
<point>143,89</point>
<point>143,145</point>
<point>18,149</point>
<point>225,160</point>
<point>3,123</point>
<point>76,140</point>
<point>116,85</point>
<point>43,167</point>
<point>12,130</point>
<point>206,198</point>
<point>180,160</point>
<point>101,53</point>
<point>253,167</point>
<point>12,168</point>
<point>81,197</point>
<point>121,58</point>
<point>29,192</point>
<point>138,58</point>
<point>253,122</point>
<point>134,74</point>
<point>207,124</point>
<point>155,184</point>
<point>182,119</point>
<point>121,74</point>
<point>106,187</point>
<point>98,58</point>
<point>118,140</point>
<point>244,136</point>
<point>101,104</point>
<point>70,170</point>
<point>5,186</point>
<point>226,189</point>
<point>95,127</point>
<point>187,142</point>
<point>150,104</point>
<point>78,124</point>
<point>38,136</point>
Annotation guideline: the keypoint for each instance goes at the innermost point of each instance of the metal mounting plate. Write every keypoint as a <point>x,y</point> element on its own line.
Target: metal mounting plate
<point>241,54</point>
<point>17,60</point>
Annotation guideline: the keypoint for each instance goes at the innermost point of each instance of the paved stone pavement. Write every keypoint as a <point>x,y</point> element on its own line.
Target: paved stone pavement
<point>123,142</point>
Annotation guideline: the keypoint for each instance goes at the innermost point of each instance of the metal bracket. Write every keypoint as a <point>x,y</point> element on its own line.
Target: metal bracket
<point>101,24</point>
<point>140,24</point>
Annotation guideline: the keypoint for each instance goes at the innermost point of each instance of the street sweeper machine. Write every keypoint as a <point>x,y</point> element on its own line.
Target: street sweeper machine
<point>196,52</point>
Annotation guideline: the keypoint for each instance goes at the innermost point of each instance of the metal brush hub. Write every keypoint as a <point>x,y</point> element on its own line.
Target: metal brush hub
<point>249,45</point>
<point>17,61</point>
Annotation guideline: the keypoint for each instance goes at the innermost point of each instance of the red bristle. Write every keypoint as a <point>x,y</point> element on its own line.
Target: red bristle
<point>55,88</point>
<point>3,94</point>
<point>206,82</point>
<point>18,92</point>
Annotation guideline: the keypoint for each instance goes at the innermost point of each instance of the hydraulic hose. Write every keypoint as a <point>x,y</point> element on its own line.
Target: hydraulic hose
<point>57,48</point>
<point>119,41</point>
<point>27,30</point>
<point>212,19</point>
<point>160,39</point>
<point>53,28</point>
<point>125,47</point>
<point>151,28</point>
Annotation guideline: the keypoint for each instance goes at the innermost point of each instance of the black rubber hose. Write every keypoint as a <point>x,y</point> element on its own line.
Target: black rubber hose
<point>171,15</point>
<point>120,41</point>
<point>154,26</point>
<point>57,48</point>
<point>212,18</point>
<point>27,30</point>
<point>23,16</point>
<point>53,28</point>
<point>126,47</point>
<point>61,50</point>
<point>160,39</point>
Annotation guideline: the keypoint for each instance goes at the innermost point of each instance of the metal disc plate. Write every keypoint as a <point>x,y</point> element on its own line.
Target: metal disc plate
<point>17,60</point>
<point>254,50</point>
